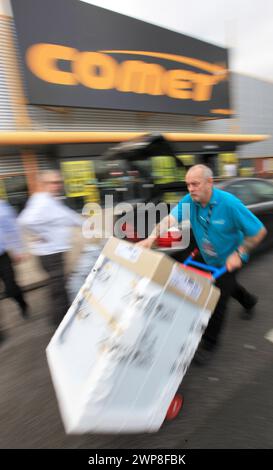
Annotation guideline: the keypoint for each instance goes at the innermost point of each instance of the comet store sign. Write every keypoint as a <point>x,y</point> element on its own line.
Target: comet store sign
<point>79,55</point>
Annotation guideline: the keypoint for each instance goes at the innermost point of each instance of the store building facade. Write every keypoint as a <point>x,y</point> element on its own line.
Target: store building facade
<point>69,92</point>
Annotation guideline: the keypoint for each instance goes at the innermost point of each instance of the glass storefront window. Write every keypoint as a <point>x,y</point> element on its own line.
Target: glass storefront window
<point>13,188</point>
<point>164,169</point>
<point>187,159</point>
<point>227,164</point>
<point>246,168</point>
<point>125,178</point>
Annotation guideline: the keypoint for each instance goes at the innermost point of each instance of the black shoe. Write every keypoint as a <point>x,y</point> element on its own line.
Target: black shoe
<point>203,354</point>
<point>2,337</point>
<point>249,309</point>
<point>24,311</point>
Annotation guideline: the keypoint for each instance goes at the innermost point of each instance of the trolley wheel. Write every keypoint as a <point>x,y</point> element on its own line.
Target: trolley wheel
<point>175,407</point>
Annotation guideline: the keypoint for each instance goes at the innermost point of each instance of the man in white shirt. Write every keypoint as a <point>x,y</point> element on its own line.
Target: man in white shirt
<point>50,222</point>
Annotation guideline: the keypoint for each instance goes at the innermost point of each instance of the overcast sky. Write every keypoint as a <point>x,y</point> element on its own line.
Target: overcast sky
<point>246,26</point>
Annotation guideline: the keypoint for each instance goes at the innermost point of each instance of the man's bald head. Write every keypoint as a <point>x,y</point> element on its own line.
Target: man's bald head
<point>199,180</point>
<point>202,170</point>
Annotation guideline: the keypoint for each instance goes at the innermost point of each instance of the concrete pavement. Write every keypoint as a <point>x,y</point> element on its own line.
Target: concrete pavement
<point>228,404</point>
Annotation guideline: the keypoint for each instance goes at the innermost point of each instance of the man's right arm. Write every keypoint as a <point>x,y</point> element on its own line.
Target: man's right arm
<point>13,240</point>
<point>162,227</point>
<point>74,219</point>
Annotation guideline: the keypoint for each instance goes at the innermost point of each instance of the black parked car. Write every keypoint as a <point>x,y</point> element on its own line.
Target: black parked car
<point>257,195</point>
<point>144,170</point>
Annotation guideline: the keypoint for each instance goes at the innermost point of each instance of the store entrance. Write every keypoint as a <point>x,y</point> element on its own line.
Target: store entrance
<point>210,160</point>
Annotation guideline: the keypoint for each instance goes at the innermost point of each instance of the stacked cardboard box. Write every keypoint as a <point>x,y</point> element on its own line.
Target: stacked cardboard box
<point>126,342</point>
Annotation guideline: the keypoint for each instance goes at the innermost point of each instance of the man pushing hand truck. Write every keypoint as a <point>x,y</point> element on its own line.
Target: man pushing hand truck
<point>225,232</point>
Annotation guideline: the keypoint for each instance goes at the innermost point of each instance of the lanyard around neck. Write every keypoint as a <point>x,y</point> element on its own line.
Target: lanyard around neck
<point>206,220</point>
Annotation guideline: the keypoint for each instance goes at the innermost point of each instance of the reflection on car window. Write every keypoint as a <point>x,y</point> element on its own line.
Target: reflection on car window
<point>263,189</point>
<point>243,192</point>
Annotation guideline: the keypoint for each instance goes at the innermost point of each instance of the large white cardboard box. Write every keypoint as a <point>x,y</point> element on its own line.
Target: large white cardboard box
<point>120,353</point>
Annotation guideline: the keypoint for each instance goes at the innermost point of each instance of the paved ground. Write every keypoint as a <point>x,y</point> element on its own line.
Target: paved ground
<point>228,404</point>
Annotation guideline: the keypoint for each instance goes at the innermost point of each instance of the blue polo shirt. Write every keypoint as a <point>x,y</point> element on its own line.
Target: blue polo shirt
<point>219,227</point>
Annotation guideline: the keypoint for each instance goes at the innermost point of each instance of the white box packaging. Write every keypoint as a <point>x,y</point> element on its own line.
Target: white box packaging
<point>121,351</point>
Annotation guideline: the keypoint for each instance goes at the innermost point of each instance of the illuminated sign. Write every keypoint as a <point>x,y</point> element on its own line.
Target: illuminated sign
<point>73,55</point>
<point>99,71</point>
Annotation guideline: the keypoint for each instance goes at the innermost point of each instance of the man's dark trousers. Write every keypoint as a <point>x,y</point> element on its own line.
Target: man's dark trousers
<point>54,266</point>
<point>8,277</point>
<point>229,287</point>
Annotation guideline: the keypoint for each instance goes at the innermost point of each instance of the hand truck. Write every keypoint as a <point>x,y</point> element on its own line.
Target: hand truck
<point>212,273</point>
